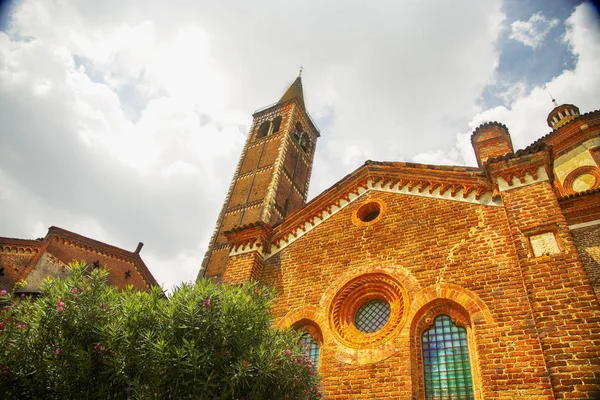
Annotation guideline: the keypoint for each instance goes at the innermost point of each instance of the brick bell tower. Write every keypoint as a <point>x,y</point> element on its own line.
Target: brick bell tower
<point>272,176</point>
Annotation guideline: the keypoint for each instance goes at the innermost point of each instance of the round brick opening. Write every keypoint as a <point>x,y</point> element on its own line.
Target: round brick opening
<point>368,213</point>
<point>368,310</point>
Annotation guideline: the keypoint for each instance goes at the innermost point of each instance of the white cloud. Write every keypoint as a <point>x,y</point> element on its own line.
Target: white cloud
<point>526,115</point>
<point>386,81</point>
<point>184,265</point>
<point>39,230</point>
<point>533,31</point>
<point>438,157</point>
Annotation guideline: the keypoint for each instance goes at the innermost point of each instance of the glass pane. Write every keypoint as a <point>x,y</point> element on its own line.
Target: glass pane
<point>312,348</point>
<point>447,369</point>
<point>372,316</point>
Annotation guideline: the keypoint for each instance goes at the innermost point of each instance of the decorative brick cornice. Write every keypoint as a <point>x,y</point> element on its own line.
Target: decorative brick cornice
<point>251,237</point>
<point>525,167</point>
<point>271,107</point>
<point>19,246</point>
<point>484,127</point>
<point>465,184</point>
<point>579,194</point>
<point>576,130</point>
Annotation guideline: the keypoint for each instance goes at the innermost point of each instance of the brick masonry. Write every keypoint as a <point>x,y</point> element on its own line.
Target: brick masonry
<point>271,180</point>
<point>504,249</point>
<point>33,261</point>
<point>587,240</point>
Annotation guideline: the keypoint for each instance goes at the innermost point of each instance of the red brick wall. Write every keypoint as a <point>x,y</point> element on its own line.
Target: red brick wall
<point>566,311</point>
<point>578,209</point>
<point>13,261</point>
<point>243,267</point>
<point>69,252</point>
<point>429,243</point>
<point>262,189</point>
<point>587,240</point>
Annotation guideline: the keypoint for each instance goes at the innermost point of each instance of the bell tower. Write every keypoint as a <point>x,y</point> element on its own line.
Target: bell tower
<point>272,176</point>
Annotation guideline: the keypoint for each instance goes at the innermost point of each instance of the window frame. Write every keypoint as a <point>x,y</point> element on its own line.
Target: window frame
<point>432,327</point>
<point>307,326</point>
<point>460,317</point>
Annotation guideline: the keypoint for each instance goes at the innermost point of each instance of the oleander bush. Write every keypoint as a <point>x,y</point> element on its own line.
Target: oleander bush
<point>84,339</point>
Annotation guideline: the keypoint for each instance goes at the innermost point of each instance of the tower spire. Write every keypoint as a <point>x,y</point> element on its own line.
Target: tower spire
<point>553,99</point>
<point>294,91</point>
<point>271,179</point>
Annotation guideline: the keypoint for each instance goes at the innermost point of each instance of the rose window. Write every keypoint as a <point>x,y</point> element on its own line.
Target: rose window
<point>368,310</point>
<point>372,316</point>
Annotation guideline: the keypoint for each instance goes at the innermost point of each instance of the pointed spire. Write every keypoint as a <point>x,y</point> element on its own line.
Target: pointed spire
<point>294,91</point>
<point>552,97</point>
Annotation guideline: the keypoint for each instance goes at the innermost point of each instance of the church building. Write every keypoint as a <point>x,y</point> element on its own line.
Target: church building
<point>33,261</point>
<point>414,281</point>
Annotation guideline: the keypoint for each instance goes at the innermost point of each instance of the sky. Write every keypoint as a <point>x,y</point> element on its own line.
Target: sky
<point>124,121</point>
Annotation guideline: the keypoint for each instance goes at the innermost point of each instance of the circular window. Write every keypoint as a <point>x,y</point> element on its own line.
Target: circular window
<point>368,213</point>
<point>584,182</point>
<point>581,179</point>
<point>367,310</point>
<point>372,316</point>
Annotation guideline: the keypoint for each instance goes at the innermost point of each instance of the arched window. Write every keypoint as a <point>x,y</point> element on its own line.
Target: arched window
<point>313,348</point>
<point>301,137</point>
<point>276,125</point>
<point>311,338</point>
<point>263,130</point>
<point>298,131</point>
<point>446,366</point>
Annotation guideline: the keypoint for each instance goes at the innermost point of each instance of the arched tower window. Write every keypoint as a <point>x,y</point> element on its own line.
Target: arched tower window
<point>298,131</point>
<point>276,125</point>
<point>313,348</point>
<point>301,137</point>
<point>446,365</point>
<point>263,130</point>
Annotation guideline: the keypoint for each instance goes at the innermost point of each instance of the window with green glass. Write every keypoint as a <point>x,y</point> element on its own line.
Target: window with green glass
<point>312,348</point>
<point>446,361</point>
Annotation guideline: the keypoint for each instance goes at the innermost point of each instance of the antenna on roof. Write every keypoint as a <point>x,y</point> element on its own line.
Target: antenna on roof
<point>553,99</point>
<point>300,72</point>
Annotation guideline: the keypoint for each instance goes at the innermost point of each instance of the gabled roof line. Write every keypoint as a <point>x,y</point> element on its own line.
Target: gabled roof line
<point>101,247</point>
<point>96,245</point>
<point>453,192</point>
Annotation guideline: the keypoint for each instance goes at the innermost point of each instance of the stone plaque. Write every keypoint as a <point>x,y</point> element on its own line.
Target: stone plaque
<point>544,244</point>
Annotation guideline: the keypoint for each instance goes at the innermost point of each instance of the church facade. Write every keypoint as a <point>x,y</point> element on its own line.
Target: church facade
<point>417,281</point>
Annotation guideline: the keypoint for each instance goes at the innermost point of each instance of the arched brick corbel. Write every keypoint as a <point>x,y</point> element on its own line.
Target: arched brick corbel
<point>305,316</point>
<point>478,312</point>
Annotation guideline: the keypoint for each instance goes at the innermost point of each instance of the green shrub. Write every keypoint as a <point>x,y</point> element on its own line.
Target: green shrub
<point>84,339</point>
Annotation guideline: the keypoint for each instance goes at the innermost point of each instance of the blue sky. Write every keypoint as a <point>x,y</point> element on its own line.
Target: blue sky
<point>526,64</point>
<point>124,121</point>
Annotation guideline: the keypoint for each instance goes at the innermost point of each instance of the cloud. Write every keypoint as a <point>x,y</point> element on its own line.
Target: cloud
<point>533,31</point>
<point>526,114</point>
<point>125,121</point>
